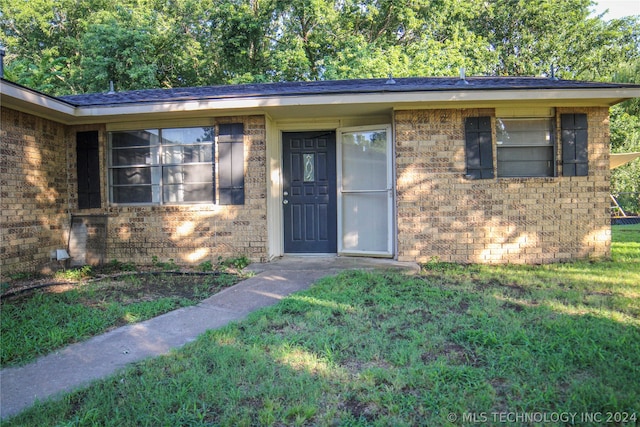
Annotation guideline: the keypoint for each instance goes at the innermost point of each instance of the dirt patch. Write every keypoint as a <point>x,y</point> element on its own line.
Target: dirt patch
<point>128,287</point>
<point>455,354</point>
<point>361,410</point>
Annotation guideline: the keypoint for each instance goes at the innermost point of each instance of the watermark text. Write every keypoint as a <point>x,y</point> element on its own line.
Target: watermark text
<point>570,418</point>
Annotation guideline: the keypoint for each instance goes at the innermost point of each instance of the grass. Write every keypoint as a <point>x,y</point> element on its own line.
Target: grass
<point>450,346</point>
<point>50,318</point>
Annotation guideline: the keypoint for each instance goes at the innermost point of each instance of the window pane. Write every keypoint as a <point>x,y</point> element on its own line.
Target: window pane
<point>131,176</point>
<point>525,147</point>
<point>365,222</point>
<point>137,138</point>
<point>523,132</point>
<point>187,173</point>
<point>187,135</point>
<point>131,156</point>
<point>308,161</point>
<point>178,193</point>
<point>187,154</point>
<point>135,194</point>
<point>364,161</point>
<point>525,161</point>
<point>138,174</point>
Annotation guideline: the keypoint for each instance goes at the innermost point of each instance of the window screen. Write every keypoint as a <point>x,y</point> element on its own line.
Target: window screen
<point>168,166</point>
<point>525,147</point>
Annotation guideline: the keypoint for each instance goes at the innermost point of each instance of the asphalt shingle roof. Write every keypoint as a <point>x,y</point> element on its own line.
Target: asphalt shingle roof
<point>329,87</point>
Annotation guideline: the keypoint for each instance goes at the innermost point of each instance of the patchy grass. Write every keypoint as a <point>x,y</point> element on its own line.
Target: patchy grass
<point>42,320</point>
<point>362,348</point>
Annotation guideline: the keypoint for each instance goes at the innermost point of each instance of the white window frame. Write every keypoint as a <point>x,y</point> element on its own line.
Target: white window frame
<point>389,191</point>
<point>549,142</point>
<point>155,162</point>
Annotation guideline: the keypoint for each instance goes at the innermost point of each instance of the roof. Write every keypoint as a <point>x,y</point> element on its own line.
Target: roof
<point>332,87</point>
<point>328,99</point>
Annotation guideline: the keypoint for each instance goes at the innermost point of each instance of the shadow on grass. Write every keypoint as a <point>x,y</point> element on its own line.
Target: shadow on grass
<point>381,349</point>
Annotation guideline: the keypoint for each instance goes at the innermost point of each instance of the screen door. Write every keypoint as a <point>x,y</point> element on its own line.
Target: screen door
<point>365,191</point>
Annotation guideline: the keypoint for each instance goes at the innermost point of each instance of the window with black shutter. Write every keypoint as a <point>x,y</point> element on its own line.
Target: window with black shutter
<point>479,150</point>
<point>231,164</point>
<point>88,167</point>
<point>525,147</point>
<point>575,161</point>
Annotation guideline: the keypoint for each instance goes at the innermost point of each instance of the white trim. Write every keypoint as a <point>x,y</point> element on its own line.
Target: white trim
<point>597,96</point>
<point>275,212</point>
<point>514,112</point>
<point>30,101</point>
<point>27,100</point>
<point>389,190</point>
<point>160,124</point>
<point>275,231</point>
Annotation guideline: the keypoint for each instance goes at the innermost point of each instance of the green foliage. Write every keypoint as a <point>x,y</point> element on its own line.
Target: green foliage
<point>73,46</point>
<point>49,321</point>
<point>68,46</point>
<point>75,273</point>
<point>115,265</point>
<point>625,138</point>
<point>169,265</point>
<point>238,262</point>
<point>206,266</point>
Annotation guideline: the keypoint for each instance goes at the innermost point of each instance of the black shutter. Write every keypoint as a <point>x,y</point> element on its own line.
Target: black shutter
<point>575,160</point>
<point>88,166</point>
<point>231,164</point>
<point>479,147</point>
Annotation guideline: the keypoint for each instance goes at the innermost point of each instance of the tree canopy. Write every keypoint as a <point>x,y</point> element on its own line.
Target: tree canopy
<point>77,46</point>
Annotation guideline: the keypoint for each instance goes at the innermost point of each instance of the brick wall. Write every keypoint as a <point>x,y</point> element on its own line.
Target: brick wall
<point>38,181</point>
<point>34,206</point>
<point>190,234</point>
<point>442,215</point>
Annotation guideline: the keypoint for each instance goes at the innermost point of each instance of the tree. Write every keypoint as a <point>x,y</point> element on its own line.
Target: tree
<point>625,138</point>
<point>529,36</point>
<point>121,49</point>
<point>73,46</point>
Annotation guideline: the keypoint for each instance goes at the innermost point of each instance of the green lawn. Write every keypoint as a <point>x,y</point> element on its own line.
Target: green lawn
<point>457,345</point>
<point>39,322</point>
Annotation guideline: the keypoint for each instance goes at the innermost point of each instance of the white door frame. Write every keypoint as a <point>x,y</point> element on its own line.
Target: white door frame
<point>390,250</point>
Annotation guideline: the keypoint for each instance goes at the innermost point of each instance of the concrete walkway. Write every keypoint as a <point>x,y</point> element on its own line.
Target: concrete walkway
<point>79,364</point>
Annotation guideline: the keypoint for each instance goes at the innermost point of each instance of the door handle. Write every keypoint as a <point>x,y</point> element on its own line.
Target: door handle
<point>285,202</point>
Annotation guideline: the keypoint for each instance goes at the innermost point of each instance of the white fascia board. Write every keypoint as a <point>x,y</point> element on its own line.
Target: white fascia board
<point>24,99</point>
<point>597,97</point>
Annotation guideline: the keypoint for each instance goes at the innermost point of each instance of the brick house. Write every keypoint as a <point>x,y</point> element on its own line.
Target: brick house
<point>486,170</point>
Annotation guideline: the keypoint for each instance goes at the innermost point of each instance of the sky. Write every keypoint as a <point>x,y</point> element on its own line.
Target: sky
<point>618,8</point>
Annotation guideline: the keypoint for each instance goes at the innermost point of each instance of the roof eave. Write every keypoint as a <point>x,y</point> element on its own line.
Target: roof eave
<point>397,100</point>
<point>30,101</point>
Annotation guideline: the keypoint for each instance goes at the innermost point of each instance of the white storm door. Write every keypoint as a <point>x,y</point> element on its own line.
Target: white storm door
<point>365,191</point>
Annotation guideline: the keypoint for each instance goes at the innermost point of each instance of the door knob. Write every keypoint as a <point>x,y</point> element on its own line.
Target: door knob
<point>285,202</point>
<point>286,193</point>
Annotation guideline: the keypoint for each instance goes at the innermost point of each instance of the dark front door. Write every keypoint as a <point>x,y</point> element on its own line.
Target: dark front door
<point>309,192</point>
